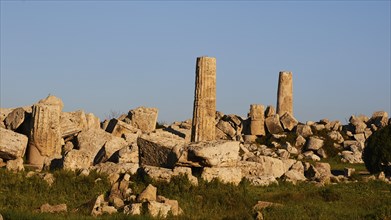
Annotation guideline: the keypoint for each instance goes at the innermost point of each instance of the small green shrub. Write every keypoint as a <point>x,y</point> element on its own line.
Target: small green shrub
<point>377,153</point>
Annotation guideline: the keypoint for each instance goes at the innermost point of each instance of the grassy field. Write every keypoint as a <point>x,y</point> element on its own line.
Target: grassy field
<point>20,198</point>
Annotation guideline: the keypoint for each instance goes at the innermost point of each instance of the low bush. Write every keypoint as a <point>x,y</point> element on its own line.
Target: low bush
<point>377,153</point>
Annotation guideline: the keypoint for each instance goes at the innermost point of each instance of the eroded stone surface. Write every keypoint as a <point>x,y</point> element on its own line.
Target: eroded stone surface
<point>204,111</point>
<point>12,144</point>
<point>257,120</point>
<point>144,118</point>
<point>285,93</point>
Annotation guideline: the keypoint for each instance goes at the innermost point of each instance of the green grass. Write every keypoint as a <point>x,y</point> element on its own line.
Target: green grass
<point>336,164</point>
<point>20,197</point>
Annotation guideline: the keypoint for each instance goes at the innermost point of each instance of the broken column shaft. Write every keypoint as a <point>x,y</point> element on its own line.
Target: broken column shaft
<point>285,93</point>
<point>257,117</point>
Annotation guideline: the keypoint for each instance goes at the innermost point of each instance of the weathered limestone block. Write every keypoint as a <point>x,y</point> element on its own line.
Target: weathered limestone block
<point>95,146</point>
<point>148,194</point>
<point>322,153</point>
<point>303,130</point>
<point>333,125</point>
<point>161,149</point>
<point>45,137</point>
<point>250,138</point>
<point>97,140</point>
<point>270,111</point>
<point>12,144</point>
<point>204,111</point>
<point>285,93</point>
<point>309,155</point>
<point>157,209</point>
<point>181,130</point>
<point>224,174</point>
<point>359,137</point>
<point>351,157</point>
<point>47,208</point>
<point>14,119</point>
<point>300,141</point>
<point>314,143</point>
<point>288,121</point>
<point>72,122</point>
<point>77,160</point>
<point>318,127</point>
<point>175,209</point>
<point>226,128</point>
<point>214,154</point>
<point>257,117</point>
<point>144,118</point>
<point>92,121</point>
<point>324,170</point>
<point>4,112</point>
<point>133,209</point>
<point>273,124</point>
<point>261,180</point>
<point>116,168</point>
<point>127,154</point>
<point>379,118</point>
<point>164,174</point>
<point>358,124</point>
<point>336,136</point>
<point>15,165</point>
<point>263,166</point>
<point>294,176</point>
<point>101,207</point>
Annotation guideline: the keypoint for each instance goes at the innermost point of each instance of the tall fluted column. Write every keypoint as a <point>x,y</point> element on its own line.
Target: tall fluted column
<point>285,93</point>
<point>204,111</point>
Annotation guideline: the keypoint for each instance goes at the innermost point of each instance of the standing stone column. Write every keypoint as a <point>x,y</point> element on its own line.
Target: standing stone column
<point>204,111</point>
<point>45,136</point>
<point>285,93</point>
<point>257,117</point>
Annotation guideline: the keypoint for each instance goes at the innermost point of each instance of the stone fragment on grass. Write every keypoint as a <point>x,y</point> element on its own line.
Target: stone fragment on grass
<point>149,194</point>
<point>156,209</point>
<point>224,174</point>
<point>15,165</point>
<point>47,208</point>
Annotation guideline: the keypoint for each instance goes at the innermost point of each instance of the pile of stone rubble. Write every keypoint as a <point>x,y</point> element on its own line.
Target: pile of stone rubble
<point>259,148</point>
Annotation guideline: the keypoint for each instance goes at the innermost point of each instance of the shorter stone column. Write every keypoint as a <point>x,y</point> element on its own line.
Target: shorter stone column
<point>285,93</point>
<point>257,120</point>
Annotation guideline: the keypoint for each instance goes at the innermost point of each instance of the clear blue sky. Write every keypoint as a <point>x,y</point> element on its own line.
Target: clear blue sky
<point>101,55</point>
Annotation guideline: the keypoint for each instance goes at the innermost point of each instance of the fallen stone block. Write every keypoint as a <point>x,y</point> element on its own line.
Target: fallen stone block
<point>144,118</point>
<point>160,149</point>
<point>214,153</point>
<point>224,174</point>
<point>12,144</point>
